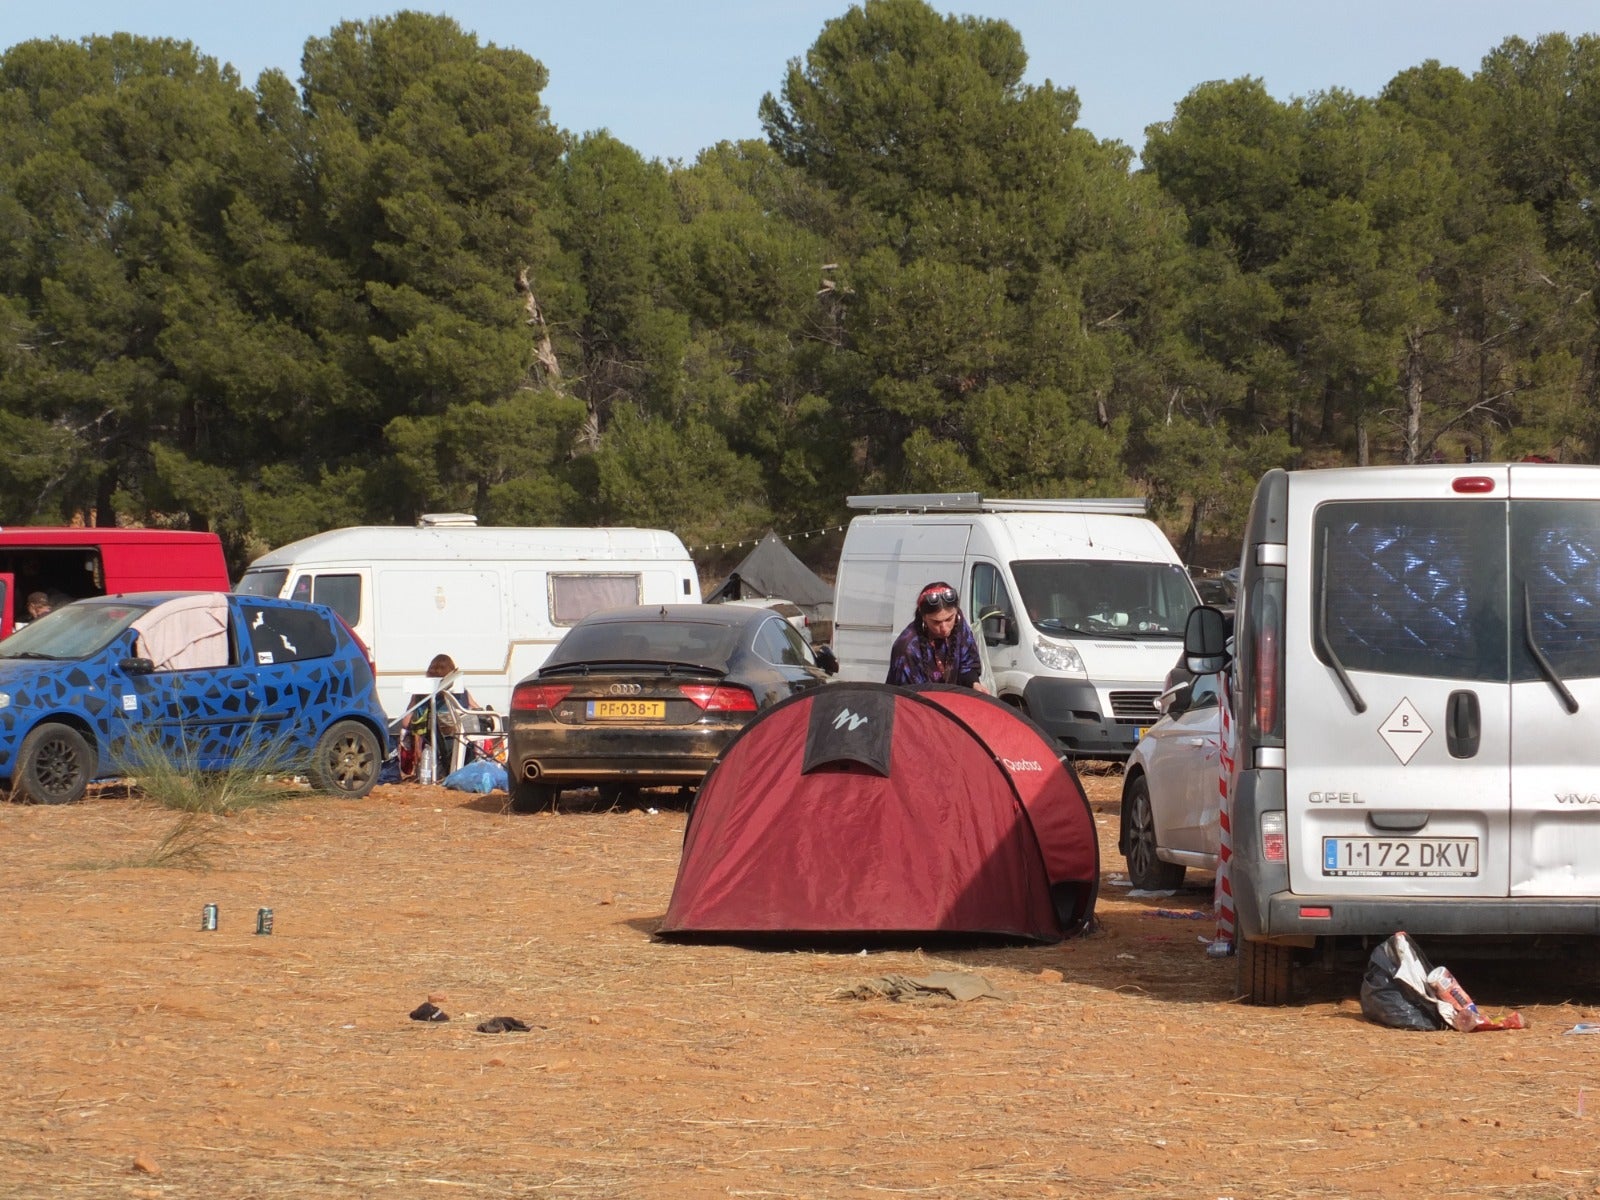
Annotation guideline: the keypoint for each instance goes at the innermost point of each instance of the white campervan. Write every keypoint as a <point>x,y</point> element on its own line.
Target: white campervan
<point>1416,679</point>
<point>496,599</point>
<point>1079,604</point>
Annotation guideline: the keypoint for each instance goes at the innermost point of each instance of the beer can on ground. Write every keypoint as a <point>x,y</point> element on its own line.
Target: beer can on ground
<point>263,920</point>
<point>208,917</point>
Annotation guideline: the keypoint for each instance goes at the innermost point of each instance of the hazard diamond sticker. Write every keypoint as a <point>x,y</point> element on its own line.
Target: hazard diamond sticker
<point>1405,731</point>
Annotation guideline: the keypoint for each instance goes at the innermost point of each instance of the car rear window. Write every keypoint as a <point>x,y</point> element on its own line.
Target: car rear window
<point>702,643</point>
<point>280,635</point>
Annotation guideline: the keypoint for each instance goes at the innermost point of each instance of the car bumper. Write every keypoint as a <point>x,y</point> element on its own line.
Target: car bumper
<point>567,757</point>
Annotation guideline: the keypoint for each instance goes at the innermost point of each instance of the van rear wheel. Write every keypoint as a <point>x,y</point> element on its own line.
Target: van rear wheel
<point>1266,972</point>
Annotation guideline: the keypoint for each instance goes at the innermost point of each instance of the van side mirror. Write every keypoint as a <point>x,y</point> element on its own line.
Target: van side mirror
<point>826,659</point>
<point>1205,641</point>
<point>998,628</point>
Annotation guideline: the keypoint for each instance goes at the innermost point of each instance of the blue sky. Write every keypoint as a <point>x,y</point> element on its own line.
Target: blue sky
<point>671,79</point>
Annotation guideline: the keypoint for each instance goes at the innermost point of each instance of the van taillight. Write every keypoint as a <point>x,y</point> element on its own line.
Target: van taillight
<point>1268,684</point>
<point>538,697</point>
<point>720,699</point>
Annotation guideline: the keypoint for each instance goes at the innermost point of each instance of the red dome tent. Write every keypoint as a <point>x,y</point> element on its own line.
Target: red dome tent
<point>862,809</point>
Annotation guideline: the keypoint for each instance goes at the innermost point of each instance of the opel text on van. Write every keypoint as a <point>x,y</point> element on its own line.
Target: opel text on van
<point>496,599</point>
<point>1415,695</point>
<point>1079,604</point>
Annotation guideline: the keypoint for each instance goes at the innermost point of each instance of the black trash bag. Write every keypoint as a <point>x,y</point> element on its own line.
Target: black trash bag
<point>1394,991</point>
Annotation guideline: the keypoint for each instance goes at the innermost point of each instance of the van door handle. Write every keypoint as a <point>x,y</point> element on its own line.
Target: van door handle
<point>1463,724</point>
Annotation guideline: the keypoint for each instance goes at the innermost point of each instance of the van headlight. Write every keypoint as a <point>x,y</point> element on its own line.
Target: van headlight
<point>1059,656</point>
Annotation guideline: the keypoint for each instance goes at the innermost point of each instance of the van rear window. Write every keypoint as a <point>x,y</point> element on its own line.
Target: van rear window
<point>1412,588</point>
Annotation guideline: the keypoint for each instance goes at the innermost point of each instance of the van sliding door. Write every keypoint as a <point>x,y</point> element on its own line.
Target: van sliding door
<point>1555,707</point>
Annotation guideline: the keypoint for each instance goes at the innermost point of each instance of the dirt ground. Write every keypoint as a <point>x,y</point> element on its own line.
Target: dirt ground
<point>145,1057</point>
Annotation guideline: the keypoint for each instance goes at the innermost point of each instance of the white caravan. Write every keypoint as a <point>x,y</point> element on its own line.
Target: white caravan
<point>1079,604</point>
<point>495,599</point>
<point>1415,691</point>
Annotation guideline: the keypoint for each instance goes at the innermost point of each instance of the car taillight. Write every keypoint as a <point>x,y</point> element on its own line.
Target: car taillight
<point>538,697</point>
<point>717,698</point>
<point>356,638</point>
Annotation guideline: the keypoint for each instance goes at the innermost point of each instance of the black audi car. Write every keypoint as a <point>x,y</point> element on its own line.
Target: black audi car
<point>649,695</point>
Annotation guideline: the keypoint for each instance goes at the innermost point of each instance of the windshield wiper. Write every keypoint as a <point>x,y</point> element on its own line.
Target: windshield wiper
<point>32,654</point>
<point>1546,669</point>
<point>1323,643</point>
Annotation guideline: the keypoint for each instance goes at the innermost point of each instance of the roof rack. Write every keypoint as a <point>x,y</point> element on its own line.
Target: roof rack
<point>974,502</point>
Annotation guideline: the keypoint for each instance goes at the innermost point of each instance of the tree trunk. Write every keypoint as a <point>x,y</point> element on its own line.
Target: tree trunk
<point>543,351</point>
<point>1363,457</point>
<point>1412,451</point>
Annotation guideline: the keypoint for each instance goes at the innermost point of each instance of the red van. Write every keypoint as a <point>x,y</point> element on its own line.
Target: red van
<point>69,564</point>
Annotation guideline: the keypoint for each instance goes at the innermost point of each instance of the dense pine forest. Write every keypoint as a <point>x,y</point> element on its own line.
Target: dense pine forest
<point>396,285</point>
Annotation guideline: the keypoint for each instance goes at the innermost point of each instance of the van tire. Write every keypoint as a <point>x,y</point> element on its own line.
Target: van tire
<point>1145,870</point>
<point>346,761</point>
<point>529,797</point>
<point>54,766</point>
<point>1266,973</point>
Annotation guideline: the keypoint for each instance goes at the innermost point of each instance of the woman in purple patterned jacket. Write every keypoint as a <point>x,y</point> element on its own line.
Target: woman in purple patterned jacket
<point>938,646</point>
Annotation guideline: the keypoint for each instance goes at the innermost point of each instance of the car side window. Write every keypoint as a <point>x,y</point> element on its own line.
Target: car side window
<point>772,645</point>
<point>281,635</point>
<point>1204,692</point>
<point>799,652</point>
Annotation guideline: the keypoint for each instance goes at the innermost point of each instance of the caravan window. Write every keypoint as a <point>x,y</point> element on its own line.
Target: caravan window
<point>573,597</point>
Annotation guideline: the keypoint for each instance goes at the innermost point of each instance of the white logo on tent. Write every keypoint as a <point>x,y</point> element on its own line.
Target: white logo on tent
<point>1405,731</point>
<point>846,715</point>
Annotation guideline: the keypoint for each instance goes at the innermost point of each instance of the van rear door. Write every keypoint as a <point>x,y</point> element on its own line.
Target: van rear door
<point>1555,690</point>
<point>1398,737</point>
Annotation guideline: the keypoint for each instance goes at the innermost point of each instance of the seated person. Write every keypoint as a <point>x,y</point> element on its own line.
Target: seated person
<point>443,714</point>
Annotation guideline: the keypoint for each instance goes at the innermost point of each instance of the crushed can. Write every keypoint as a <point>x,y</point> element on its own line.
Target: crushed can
<point>263,920</point>
<point>208,917</point>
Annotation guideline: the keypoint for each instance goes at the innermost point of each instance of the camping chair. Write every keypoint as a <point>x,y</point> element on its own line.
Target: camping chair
<point>480,733</point>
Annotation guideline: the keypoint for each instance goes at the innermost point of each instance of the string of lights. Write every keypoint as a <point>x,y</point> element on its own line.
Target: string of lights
<point>785,537</point>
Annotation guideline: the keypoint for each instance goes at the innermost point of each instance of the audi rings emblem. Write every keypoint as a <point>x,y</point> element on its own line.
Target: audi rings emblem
<point>625,689</point>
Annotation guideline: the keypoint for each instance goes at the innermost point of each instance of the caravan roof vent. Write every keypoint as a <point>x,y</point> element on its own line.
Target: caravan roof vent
<point>448,521</point>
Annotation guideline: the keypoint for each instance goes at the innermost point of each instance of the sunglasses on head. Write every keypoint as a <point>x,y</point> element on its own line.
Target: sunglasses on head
<point>937,599</point>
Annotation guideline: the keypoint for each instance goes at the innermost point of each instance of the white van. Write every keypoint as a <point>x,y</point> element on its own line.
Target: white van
<point>1079,604</point>
<point>496,599</point>
<point>1415,687</point>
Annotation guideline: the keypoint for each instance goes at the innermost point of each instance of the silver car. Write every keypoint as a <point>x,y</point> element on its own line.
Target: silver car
<point>1171,798</point>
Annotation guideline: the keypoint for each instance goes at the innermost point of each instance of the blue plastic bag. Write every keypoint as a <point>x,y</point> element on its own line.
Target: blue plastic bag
<point>481,776</point>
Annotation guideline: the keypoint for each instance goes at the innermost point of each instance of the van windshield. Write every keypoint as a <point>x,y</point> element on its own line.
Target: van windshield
<point>266,582</point>
<point>1106,599</point>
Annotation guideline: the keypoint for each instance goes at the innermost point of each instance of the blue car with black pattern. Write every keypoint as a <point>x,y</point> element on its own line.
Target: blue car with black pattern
<point>208,681</point>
